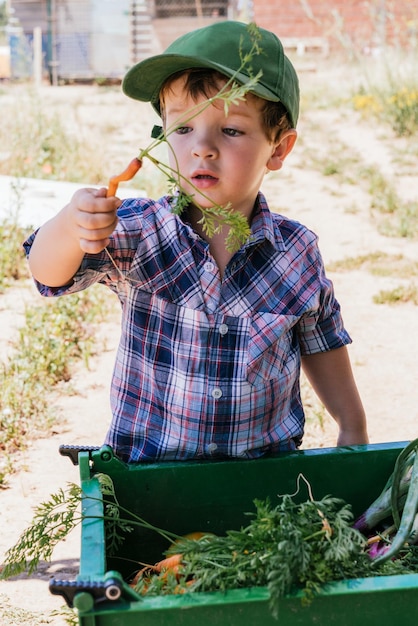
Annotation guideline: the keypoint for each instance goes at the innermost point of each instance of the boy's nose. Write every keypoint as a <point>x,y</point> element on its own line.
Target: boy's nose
<point>205,149</point>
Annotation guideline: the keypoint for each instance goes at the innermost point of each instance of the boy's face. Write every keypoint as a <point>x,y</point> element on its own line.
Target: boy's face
<point>223,157</point>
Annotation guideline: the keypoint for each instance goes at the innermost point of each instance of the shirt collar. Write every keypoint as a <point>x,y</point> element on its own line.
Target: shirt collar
<point>263,226</point>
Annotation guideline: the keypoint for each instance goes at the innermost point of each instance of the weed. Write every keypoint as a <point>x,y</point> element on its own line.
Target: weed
<point>12,262</point>
<point>377,263</point>
<point>13,266</point>
<point>366,104</point>
<point>49,150</point>
<point>384,197</point>
<point>399,295</point>
<point>68,614</point>
<point>331,168</point>
<point>399,218</point>
<point>402,111</point>
<point>404,223</point>
<point>396,107</point>
<point>382,264</point>
<point>338,160</point>
<point>13,616</point>
<point>54,336</point>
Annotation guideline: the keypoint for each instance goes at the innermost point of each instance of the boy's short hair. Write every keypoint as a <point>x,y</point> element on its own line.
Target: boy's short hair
<point>206,82</point>
<point>237,50</point>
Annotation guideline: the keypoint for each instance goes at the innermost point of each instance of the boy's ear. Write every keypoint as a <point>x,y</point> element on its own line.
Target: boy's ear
<point>281,149</point>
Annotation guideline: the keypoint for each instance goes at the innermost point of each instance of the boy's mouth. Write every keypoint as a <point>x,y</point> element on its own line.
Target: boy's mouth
<point>203,179</point>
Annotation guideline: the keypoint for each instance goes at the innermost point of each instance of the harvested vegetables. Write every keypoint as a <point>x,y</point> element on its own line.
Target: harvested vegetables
<point>300,545</point>
<point>292,545</point>
<point>400,494</point>
<point>289,545</point>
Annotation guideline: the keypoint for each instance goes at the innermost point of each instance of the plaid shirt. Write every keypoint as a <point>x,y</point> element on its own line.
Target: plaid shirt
<point>209,368</point>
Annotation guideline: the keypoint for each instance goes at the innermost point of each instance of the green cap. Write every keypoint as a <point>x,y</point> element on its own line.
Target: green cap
<point>221,46</point>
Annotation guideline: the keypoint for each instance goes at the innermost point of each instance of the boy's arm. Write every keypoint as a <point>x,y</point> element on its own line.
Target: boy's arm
<point>84,225</point>
<point>331,377</point>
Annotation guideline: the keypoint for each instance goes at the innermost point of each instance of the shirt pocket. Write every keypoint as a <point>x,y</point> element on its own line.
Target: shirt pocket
<point>271,345</point>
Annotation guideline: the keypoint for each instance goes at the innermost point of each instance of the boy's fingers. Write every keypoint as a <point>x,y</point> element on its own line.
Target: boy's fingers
<point>94,201</point>
<point>97,221</point>
<point>94,218</point>
<point>97,232</point>
<point>93,247</point>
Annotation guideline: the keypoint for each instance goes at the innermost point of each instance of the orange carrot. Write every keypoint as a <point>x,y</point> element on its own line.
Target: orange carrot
<point>127,174</point>
<point>141,574</point>
<point>180,589</point>
<point>170,563</point>
<point>194,536</point>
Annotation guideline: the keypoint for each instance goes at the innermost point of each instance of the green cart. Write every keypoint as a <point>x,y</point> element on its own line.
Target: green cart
<point>214,497</point>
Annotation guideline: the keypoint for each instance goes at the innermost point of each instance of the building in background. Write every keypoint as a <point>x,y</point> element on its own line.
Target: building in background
<point>100,39</point>
<point>353,26</point>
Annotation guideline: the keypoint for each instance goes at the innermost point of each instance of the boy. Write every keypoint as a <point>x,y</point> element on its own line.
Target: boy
<point>212,340</point>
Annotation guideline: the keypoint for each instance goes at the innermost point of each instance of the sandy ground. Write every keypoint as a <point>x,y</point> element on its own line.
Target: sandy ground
<point>385,340</point>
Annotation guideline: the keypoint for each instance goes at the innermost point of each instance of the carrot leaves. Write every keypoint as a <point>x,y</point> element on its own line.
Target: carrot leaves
<point>285,547</point>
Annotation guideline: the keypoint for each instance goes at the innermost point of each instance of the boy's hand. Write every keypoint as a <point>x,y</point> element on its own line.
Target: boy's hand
<point>92,218</point>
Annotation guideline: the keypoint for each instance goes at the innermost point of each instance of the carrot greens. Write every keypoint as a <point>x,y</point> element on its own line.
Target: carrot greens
<point>288,547</point>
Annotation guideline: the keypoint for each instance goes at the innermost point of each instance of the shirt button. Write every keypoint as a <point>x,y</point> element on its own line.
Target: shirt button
<point>216,393</point>
<point>209,266</point>
<point>211,447</point>
<point>223,329</point>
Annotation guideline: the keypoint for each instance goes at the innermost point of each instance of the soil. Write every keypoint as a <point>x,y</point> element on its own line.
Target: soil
<point>385,344</point>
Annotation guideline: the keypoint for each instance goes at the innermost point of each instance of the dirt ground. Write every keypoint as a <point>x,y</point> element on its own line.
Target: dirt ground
<point>385,341</point>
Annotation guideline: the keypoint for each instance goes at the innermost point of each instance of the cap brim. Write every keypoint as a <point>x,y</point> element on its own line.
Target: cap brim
<point>145,79</point>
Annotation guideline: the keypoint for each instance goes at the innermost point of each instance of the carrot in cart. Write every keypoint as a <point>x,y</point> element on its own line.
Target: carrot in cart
<point>127,174</point>
<point>193,536</point>
<point>172,563</point>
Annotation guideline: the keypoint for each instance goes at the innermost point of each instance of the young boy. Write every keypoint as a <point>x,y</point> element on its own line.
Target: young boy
<point>212,340</point>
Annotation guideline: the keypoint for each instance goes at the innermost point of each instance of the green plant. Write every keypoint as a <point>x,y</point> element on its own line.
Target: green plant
<point>401,110</point>
<point>13,616</point>
<point>383,194</point>
<point>54,519</point>
<point>13,265</point>
<point>400,218</point>
<point>399,295</point>
<point>54,336</point>
<point>396,106</point>
<point>377,263</point>
<point>12,262</point>
<point>68,614</point>
<point>49,150</point>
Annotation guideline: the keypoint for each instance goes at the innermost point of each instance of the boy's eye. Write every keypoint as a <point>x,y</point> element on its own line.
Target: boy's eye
<point>183,130</point>
<point>232,132</point>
